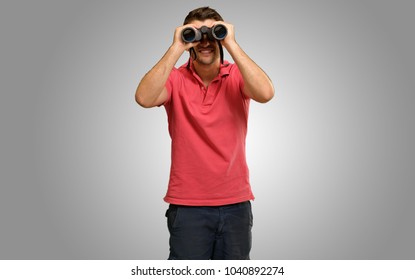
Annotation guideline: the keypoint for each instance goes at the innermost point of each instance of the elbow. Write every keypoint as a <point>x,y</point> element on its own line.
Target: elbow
<point>141,101</point>
<point>261,94</point>
<point>270,92</point>
<point>265,96</point>
<point>142,98</point>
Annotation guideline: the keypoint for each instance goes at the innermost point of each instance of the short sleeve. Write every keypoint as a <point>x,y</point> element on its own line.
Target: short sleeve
<point>237,78</point>
<point>170,84</point>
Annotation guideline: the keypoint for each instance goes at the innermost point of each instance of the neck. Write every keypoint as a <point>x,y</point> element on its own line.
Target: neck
<point>207,72</point>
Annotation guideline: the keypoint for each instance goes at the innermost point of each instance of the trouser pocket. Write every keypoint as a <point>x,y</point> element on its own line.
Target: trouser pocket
<point>171,215</point>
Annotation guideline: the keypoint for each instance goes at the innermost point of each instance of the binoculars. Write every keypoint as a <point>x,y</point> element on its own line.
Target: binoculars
<point>191,34</point>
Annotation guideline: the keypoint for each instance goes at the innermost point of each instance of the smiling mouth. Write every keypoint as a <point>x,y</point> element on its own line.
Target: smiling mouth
<point>205,51</point>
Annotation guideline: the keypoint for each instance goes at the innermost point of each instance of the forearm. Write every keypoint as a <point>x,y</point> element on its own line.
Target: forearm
<point>258,85</point>
<point>152,86</point>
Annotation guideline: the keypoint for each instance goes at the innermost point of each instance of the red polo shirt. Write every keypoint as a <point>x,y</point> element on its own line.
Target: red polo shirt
<point>208,129</point>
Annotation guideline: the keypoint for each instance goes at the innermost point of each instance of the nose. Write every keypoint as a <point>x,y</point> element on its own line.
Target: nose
<point>205,40</point>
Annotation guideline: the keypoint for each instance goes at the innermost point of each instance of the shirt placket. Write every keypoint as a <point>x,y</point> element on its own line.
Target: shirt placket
<point>210,92</point>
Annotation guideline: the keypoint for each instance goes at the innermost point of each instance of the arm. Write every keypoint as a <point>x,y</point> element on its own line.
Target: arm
<point>258,85</point>
<point>151,90</point>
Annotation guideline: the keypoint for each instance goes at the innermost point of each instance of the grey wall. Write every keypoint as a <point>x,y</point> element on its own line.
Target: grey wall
<point>84,169</point>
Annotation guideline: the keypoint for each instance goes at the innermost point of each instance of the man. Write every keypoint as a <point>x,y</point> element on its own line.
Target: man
<point>207,102</point>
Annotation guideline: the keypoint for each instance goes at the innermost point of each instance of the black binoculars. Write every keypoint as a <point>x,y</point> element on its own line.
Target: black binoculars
<point>191,34</point>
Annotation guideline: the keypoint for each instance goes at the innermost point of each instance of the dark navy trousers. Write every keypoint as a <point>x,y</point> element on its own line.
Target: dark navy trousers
<point>210,232</point>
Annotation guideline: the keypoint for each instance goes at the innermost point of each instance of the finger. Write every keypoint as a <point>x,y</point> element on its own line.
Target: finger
<point>194,44</point>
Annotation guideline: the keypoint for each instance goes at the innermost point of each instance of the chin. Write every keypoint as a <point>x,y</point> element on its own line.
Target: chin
<point>208,61</point>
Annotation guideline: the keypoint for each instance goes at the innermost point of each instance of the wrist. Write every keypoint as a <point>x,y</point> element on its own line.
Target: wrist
<point>232,47</point>
<point>177,47</point>
<point>176,50</point>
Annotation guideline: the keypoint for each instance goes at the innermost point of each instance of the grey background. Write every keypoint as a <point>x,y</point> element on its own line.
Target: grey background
<point>84,169</point>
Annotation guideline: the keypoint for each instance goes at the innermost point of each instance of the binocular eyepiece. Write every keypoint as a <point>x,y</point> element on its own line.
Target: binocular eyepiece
<point>191,34</point>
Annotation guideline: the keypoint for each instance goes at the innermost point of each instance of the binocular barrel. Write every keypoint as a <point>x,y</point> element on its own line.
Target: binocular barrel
<point>191,34</point>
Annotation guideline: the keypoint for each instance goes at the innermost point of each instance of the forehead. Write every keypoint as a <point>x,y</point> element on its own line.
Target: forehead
<point>207,22</point>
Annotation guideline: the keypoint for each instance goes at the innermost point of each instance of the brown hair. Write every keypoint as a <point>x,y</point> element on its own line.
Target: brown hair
<point>202,14</point>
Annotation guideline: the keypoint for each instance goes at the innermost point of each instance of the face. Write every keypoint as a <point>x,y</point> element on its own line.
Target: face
<point>207,51</point>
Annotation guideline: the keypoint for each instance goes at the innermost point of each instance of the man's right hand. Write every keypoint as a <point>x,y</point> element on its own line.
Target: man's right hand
<point>177,40</point>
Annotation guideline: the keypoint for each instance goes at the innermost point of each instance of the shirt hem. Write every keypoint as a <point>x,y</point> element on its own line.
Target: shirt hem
<point>213,202</point>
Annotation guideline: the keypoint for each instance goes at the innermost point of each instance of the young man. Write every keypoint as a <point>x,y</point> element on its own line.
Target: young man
<point>207,103</point>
